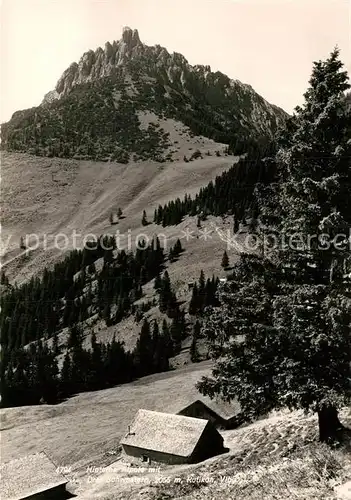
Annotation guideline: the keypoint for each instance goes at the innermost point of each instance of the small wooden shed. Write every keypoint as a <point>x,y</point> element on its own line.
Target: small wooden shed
<point>221,414</point>
<point>171,439</point>
<point>33,477</point>
<point>198,409</point>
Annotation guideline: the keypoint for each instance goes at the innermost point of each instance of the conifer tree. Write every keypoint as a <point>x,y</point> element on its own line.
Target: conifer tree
<point>178,247</point>
<point>291,307</point>
<point>158,282</point>
<point>143,353</point>
<point>160,359</point>
<point>106,314</point>
<point>178,331</point>
<point>202,290</point>
<point>66,375</point>
<point>194,301</point>
<point>80,365</point>
<point>75,336</point>
<point>96,364</point>
<point>155,332</point>
<point>4,279</point>
<point>167,339</point>
<point>117,364</point>
<point>167,297</point>
<point>194,353</point>
<point>225,260</point>
<point>144,221</point>
<point>202,282</point>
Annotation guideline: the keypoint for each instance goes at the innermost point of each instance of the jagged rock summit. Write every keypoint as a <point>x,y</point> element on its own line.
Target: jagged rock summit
<point>100,63</point>
<point>94,110</point>
<point>130,37</point>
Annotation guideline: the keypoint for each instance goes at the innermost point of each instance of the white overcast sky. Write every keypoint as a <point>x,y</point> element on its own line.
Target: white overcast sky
<point>269,44</point>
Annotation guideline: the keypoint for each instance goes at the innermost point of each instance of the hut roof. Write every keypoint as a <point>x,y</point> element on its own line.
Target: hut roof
<point>223,409</point>
<point>27,476</point>
<point>165,433</point>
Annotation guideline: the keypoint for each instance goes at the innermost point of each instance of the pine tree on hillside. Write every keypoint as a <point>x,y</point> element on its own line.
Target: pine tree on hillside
<point>178,247</point>
<point>167,339</point>
<point>291,309</point>
<point>96,373</point>
<point>160,348</point>
<point>175,251</point>
<point>4,279</point>
<point>143,353</point>
<point>144,221</point>
<point>202,290</point>
<point>194,304</point>
<point>165,292</point>
<point>80,363</point>
<point>202,282</point>
<point>168,301</point>
<point>119,213</point>
<point>210,292</point>
<point>158,282</point>
<point>203,294</point>
<point>106,314</point>
<point>66,375</point>
<point>117,364</point>
<point>75,336</point>
<point>225,260</point>
<point>155,332</point>
<point>42,372</point>
<point>194,353</point>
<point>178,331</point>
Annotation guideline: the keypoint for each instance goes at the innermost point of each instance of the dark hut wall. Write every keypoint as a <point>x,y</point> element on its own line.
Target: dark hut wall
<point>209,445</point>
<point>57,493</point>
<point>154,456</point>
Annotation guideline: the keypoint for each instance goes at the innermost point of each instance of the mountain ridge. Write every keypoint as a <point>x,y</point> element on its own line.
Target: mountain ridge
<point>120,52</point>
<point>93,111</point>
<point>101,62</point>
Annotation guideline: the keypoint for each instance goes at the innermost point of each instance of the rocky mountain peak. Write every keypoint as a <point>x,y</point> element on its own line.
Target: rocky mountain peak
<point>100,63</point>
<point>130,37</point>
<point>112,85</point>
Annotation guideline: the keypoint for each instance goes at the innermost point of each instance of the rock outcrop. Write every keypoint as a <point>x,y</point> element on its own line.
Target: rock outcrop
<point>93,110</point>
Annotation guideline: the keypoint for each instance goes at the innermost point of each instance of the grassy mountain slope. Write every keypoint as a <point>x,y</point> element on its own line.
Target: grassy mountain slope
<point>55,196</point>
<point>52,196</point>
